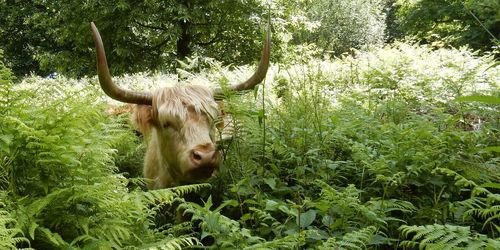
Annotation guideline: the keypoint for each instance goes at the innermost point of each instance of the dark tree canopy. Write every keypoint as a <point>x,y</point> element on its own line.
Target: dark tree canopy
<point>138,35</point>
<point>451,22</point>
<point>42,36</point>
<point>20,39</point>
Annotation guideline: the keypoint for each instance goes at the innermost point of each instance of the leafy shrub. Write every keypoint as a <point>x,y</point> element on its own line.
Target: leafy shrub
<point>451,22</point>
<point>344,25</point>
<point>328,27</point>
<point>5,73</point>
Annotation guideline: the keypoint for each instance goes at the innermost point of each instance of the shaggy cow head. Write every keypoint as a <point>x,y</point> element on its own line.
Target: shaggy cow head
<point>179,123</point>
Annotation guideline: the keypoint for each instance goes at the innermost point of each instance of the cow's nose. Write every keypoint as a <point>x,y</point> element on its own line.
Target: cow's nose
<point>205,160</point>
<point>202,158</point>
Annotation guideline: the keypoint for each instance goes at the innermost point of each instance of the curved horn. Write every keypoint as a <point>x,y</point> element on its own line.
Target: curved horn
<point>259,74</point>
<point>107,84</point>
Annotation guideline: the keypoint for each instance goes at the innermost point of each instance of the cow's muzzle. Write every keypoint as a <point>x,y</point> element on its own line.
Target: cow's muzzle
<point>205,160</point>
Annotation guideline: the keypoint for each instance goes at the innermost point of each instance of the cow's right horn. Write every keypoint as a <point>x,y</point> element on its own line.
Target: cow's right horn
<point>258,75</point>
<point>107,84</point>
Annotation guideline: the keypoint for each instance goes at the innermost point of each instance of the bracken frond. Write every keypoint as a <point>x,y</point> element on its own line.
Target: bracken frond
<point>178,243</point>
<point>294,241</point>
<point>445,237</point>
<point>353,240</point>
<point>10,236</point>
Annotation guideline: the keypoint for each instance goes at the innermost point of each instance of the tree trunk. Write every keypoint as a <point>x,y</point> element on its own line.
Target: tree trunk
<point>183,44</point>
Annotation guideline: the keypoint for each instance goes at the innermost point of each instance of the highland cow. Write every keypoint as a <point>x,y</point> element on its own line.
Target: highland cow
<point>178,122</point>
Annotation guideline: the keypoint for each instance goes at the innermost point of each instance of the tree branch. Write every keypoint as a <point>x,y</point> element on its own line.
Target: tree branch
<point>217,33</point>
<point>162,27</point>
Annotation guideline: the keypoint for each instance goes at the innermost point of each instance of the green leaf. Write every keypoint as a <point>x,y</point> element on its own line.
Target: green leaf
<point>271,205</point>
<point>307,218</point>
<point>54,238</point>
<point>5,141</point>
<point>479,98</point>
<point>260,116</point>
<point>33,227</point>
<point>287,210</point>
<point>493,149</point>
<point>327,220</point>
<point>493,66</point>
<point>271,182</point>
<point>204,234</point>
<point>491,185</point>
<point>226,203</point>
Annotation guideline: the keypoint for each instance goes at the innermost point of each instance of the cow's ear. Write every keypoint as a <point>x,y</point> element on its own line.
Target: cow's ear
<point>144,118</point>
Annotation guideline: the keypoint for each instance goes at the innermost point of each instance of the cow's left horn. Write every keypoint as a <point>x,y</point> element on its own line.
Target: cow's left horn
<point>259,74</point>
<point>110,88</point>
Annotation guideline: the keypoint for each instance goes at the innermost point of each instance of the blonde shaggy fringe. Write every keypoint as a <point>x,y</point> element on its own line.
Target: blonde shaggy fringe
<point>176,101</point>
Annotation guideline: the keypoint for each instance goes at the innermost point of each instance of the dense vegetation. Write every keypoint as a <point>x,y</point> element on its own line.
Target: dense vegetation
<point>349,144</point>
<point>376,151</point>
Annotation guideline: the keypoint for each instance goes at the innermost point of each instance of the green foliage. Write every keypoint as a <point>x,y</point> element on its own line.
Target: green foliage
<point>377,149</point>
<point>226,232</point>
<point>480,98</point>
<point>353,240</point>
<point>154,35</point>
<point>10,235</point>
<point>21,40</point>
<point>138,36</point>
<point>59,181</point>
<point>340,29</point>
<point>5,73</point>
<point>348,151</point>
<point>451,22</point>
<point>334,27</point>
<point>446,237</point>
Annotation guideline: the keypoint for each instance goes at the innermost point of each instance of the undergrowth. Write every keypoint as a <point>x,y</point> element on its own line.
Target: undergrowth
<point>373,150</point>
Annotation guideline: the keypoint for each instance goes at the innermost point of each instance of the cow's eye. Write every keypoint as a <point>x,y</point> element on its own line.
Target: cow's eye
<point>167,125</point>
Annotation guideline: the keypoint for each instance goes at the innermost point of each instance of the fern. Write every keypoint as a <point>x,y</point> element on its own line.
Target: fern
<point>354,148</point>
<point>294,241</point>
<point>167,196</point>
<point>485,205</point>
<point>354,240</point>
<point>264,217</point>
<point>62,166</point>
<point>460,180</point>
<point>54,240</point>
<point>349,206</point>
<point>446,237</point>
<point>227,233</point>
<point>178,243</point>
<point>11,237</point>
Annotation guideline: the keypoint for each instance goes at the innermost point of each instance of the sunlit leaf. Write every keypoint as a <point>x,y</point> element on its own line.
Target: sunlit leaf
<point>479,98</point>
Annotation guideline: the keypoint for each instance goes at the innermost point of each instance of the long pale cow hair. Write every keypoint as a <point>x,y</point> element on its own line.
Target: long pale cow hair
<point>178,122</point>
